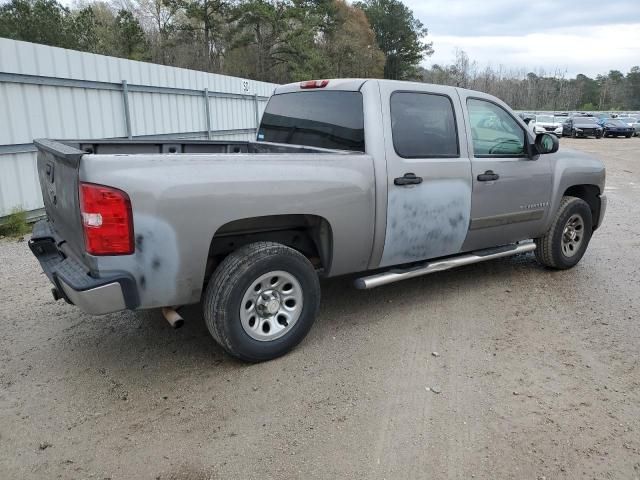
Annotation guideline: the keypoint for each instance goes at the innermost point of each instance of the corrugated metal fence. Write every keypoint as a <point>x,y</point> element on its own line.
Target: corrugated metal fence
<point>48,92</point>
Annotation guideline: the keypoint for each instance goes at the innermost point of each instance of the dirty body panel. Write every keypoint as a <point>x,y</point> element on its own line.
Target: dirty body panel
<point>430,218</point>
<point>185,199</point>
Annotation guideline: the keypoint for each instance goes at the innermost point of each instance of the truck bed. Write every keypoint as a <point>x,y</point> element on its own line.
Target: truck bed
<point>185,193</point>
<point>77,148</point>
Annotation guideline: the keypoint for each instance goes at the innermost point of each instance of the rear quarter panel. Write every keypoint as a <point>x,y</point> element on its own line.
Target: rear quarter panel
<point>180,201</point>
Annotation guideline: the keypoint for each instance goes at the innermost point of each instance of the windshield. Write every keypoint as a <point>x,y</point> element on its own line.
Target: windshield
<point>545,119</point>
<point>616,122</point>
<point>326,119</point>
<point>584,120</point>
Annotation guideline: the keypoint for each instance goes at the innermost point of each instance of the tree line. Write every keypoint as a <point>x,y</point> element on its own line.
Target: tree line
<point>271,40</point>
<point>526,90</point>
<point>283,41</point>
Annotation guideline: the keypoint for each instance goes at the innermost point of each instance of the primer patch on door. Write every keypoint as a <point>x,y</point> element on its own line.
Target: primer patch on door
<point>426,221</point>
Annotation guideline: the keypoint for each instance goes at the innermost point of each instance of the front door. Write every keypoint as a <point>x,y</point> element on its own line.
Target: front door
<point>511,192</point>
<point>428,174</point>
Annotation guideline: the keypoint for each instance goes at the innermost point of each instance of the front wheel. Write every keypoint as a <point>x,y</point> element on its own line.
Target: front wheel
<point>567,239</point>
<point>261,301</point>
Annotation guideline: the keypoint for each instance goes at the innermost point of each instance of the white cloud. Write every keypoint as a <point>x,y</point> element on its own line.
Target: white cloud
<point>548,34</point>
<point>603,48</point>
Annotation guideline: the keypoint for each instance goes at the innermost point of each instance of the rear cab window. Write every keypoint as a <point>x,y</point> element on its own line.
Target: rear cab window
<point>423,125</point>
<point>327,119</point>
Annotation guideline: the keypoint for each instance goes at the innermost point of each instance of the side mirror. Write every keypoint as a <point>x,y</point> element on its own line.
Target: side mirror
<point>529,120</point>
<point>547,143</point>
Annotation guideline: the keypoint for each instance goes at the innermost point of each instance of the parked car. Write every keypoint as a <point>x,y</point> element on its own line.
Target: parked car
<point>546,124</point>
<point>580,126</point>
<point>390,179</point>
<point>633,123</point>
<point>614,127</point>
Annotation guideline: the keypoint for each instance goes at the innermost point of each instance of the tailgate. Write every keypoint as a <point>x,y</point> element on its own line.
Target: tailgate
<point>58,166</point>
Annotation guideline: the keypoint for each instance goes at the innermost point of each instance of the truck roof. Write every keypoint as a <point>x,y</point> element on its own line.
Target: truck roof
<point>345,84</point>
<point>355,84</point>
<point>348,84</point>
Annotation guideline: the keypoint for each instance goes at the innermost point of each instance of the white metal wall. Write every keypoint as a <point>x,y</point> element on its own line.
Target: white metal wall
<point>48,92</point>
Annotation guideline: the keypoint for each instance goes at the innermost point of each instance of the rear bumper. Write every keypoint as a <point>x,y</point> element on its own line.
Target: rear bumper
<point>73,282</point>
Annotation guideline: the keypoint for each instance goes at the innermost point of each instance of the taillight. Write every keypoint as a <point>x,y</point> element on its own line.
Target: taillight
<point>314,84</point>
<point>106,220</point>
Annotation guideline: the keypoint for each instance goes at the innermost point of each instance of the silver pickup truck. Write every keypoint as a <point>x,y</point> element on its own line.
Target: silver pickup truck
<point>389,179</point>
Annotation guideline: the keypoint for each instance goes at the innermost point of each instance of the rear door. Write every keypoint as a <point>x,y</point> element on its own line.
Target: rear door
<point>511,192</point>
<point>428,173</point>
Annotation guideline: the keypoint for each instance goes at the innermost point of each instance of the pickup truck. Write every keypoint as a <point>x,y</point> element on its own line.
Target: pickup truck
<point>387,180</point>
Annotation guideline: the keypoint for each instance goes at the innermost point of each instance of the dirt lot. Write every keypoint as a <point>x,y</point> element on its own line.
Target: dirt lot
<point>538,374</point>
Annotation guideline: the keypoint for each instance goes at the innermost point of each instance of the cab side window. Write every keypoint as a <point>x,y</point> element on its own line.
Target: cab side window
<point>423,125</point>
<point>494,131</point>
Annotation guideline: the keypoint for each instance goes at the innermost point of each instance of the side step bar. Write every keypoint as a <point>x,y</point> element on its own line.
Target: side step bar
<point>396,274</point>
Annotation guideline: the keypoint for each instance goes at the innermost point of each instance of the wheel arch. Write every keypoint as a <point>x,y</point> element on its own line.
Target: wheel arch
<point>591,195</point>
<point>311,235</point>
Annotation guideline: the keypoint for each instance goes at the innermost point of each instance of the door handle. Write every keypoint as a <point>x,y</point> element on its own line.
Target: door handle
<point>408,179</point>
<point>488,176</point>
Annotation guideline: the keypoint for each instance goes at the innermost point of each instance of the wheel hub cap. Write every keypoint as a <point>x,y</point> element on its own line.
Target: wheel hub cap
<point>268,304</point>
<point>271,306</point>
<point>572,235</point>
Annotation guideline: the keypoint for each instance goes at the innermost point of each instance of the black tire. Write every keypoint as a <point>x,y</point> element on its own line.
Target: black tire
<point>574,134</point>
<point>228,284</point>
<point>549,251</point>
<point>627,136</point>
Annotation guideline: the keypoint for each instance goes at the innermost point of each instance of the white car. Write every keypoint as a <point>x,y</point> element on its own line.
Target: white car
<point>546,124</point>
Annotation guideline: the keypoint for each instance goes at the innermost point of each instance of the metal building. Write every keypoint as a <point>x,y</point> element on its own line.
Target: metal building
<point>48,92</point>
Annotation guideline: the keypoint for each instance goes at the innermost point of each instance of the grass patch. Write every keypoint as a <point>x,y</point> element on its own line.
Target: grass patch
<point>15,224</point>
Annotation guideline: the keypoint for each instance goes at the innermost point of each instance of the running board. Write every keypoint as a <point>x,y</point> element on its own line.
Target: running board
<point>396,274</point>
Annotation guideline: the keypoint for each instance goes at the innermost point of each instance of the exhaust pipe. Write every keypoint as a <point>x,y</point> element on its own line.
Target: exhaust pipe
<point>396,275</point>
<point>173,317</point>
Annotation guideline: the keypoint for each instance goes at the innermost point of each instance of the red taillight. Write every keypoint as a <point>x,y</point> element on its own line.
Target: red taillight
<point>314,84</point>
<point>106,220</point>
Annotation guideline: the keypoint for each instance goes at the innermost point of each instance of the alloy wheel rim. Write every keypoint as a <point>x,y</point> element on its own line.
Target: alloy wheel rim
<point>271,306</point>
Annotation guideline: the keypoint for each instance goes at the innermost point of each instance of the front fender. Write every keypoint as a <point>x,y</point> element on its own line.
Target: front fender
<point>572,168</point>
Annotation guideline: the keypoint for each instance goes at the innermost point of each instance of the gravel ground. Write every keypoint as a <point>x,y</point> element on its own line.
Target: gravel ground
<point>536,375</point>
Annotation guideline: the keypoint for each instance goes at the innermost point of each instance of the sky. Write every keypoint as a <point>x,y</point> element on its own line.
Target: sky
<point>572,36</point>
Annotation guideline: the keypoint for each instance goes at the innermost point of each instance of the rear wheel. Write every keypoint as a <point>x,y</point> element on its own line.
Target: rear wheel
<point>261,301</point>
<point>566,241</point>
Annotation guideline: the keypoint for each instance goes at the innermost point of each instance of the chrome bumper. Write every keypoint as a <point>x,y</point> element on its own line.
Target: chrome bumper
<point>72,281</point>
